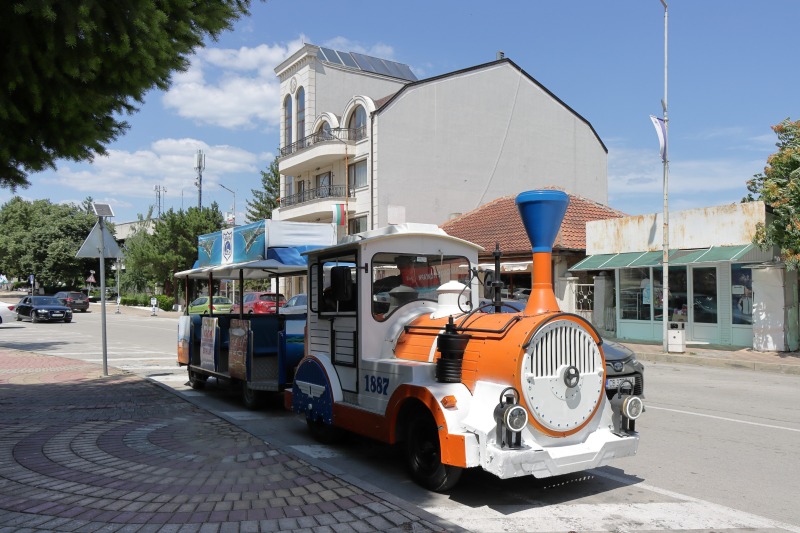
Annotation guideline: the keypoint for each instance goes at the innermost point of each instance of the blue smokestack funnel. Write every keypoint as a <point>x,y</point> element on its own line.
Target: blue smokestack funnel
<point>542,213</point>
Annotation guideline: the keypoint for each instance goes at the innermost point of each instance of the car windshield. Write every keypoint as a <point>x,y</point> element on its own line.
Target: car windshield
<point>45,300</point>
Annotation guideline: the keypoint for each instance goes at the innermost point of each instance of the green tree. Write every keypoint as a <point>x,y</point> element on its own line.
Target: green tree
<point>171,246</point>
<point>779,187</point>
<point>73,69</point>
<point>42,238</point>
<point>265,199</point>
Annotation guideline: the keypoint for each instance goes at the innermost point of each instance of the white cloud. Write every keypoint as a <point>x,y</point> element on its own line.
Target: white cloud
<point>169,163</point>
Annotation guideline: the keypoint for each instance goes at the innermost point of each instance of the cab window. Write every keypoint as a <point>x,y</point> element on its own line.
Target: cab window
<point>401,278</point>
<point>337,286</point>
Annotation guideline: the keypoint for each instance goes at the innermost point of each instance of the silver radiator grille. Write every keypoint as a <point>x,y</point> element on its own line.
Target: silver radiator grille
<point>563,342</point>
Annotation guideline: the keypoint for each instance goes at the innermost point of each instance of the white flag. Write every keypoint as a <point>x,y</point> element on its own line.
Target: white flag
<point>661,130</point>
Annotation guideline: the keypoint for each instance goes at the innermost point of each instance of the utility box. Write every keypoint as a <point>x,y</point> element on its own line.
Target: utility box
<point>676,337</point>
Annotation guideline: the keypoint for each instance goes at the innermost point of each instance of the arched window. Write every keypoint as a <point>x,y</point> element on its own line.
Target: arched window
<point>287,124</point>
<point>301,113</point>
<point>358,124</point>
<point>324,131</point>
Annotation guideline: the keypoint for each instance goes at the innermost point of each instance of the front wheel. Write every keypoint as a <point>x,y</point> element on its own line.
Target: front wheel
<point>424,457</point>
<point>251,398</point>
<point>197,381</point>
<point>34,319</point>
<point>67,320</point>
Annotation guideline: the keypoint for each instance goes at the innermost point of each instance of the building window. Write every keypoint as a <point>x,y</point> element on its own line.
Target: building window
<point>704,294</point>
<point>324,185</point>
<point>357,225</point>
<point>742,295</point>
<point>324,132</point>
<point>677,308</point>
<point>301,113</point>
<point>357,125</point>
<point>289,186</point>
<point>357,175</point>
<point>636,294</point>
<point>287,121</point>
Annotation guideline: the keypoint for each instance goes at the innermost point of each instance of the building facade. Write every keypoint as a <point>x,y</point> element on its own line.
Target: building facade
<point>722,289</point>
<point>362,139</point>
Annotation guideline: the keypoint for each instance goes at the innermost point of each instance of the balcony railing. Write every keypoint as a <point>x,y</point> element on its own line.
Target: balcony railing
<point>338,134</point>
<point>328,191</point>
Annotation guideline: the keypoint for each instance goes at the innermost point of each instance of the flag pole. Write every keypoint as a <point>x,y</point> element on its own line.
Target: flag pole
<point>665,159</point>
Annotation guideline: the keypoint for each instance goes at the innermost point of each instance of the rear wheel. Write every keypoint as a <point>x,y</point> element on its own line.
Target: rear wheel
<point>197,381</point>
<point>424,457</point>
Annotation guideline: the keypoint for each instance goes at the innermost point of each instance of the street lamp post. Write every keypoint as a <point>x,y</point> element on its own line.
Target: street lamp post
<point>665,160</point>
<point>234,201</point>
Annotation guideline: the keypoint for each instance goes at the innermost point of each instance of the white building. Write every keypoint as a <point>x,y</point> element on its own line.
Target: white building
<point>422,150</point>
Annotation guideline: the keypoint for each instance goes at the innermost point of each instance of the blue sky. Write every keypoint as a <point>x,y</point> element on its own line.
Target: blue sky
<point>731,77</point>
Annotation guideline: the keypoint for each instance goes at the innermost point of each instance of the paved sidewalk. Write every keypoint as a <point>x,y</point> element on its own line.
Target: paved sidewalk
<point>83,452</point>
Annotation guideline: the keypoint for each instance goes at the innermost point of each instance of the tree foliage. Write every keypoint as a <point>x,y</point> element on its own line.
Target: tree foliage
<point>265,199</point>
<point>42,238</point>
<point>159,248</point>
<point>72,69</point>
<point>779,187</point>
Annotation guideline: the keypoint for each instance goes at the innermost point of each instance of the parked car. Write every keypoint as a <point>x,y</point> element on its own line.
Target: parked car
<point>221,305</point>
<point>43,309</point>
<point>77,301</point>
<point>521,294</point>
<point>260,302</point>
<point>297,304</point>
<point>6,312</point>
<point>623,369</point>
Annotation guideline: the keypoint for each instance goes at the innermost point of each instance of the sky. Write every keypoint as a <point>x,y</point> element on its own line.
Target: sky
<point>732,75</point>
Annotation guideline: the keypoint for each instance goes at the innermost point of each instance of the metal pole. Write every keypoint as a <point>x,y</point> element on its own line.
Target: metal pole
<point>665,253</point>
<point>234,202</point>
<point>103,298</point>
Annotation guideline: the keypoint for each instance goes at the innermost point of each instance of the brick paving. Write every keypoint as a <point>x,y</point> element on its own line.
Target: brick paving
<point>82,452</point>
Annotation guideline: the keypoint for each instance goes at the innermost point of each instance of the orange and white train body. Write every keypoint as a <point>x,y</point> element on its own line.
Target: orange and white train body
<point>513,393</point>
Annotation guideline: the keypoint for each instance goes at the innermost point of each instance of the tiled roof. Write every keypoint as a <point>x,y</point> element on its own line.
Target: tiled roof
<point>499,221</point>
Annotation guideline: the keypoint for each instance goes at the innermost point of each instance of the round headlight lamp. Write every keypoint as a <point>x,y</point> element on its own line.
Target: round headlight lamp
<point>632,407</point>
<point>516,418</point>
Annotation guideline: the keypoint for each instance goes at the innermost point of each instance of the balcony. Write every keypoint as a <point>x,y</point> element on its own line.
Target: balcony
<point>329,146</point>
<point>328,192</point>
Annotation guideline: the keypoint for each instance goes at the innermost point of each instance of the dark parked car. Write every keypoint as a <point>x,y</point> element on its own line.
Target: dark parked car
<point>43,309</point>
<point>77,301</point>
<point>623,369</point>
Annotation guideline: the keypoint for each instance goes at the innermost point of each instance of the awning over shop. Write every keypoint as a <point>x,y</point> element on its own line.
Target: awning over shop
<point>714,254</point>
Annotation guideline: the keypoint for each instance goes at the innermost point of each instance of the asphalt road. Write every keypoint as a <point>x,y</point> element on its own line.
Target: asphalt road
<point>718,450</point>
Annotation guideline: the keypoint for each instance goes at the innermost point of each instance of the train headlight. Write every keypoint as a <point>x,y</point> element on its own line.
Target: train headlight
<point>516,418</point>
<point>511,418</point>
<point>632,407</point>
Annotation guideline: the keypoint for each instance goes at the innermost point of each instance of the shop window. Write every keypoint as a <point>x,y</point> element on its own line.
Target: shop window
<point>636,294</point>
<point>704,294</point>
<point>677,308</point>
<point>742,294</point>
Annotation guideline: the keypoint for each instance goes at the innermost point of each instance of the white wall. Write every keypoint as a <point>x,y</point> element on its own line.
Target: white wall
<point>453,144</point>
<point>725,225</point>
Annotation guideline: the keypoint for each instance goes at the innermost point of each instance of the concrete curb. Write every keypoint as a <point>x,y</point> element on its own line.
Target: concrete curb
<point>701,360</point>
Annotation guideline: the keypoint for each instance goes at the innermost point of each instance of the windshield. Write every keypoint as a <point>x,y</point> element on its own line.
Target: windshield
<point>398,279</point>
<point>46,300</point>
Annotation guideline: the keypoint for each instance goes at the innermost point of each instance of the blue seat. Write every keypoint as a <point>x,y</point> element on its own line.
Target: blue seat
<point>265,330</point>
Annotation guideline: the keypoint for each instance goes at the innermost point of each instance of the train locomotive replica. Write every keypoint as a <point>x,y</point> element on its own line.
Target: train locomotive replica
<point>398,349</point>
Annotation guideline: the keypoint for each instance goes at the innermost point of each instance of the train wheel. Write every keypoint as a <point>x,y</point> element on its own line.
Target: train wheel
<point>251,398</point>
<point>197,381</point>
<point>424,457</point>
<point>324,433</point>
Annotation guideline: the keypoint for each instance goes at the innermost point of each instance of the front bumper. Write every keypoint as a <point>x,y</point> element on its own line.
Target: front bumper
<point>599,449</point>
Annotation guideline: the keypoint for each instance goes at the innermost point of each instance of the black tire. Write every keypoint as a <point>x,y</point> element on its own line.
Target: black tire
<point>424,457</point>
<point>33,318</point>
<point>251,398</point>
<point>19,318</point>
<point>324,433</point>
<point>197,381</point>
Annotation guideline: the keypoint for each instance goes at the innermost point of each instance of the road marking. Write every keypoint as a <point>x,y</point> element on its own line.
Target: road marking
<point>723,418</point>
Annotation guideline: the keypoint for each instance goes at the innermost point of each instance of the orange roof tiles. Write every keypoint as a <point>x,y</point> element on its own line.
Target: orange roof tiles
<point>499,221</point>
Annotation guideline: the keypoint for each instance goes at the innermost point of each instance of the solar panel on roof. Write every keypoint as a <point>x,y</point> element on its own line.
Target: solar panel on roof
<point>348,60</point>
<point>331,56</point>
<point>393,70</point>
<point>406,72</point>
